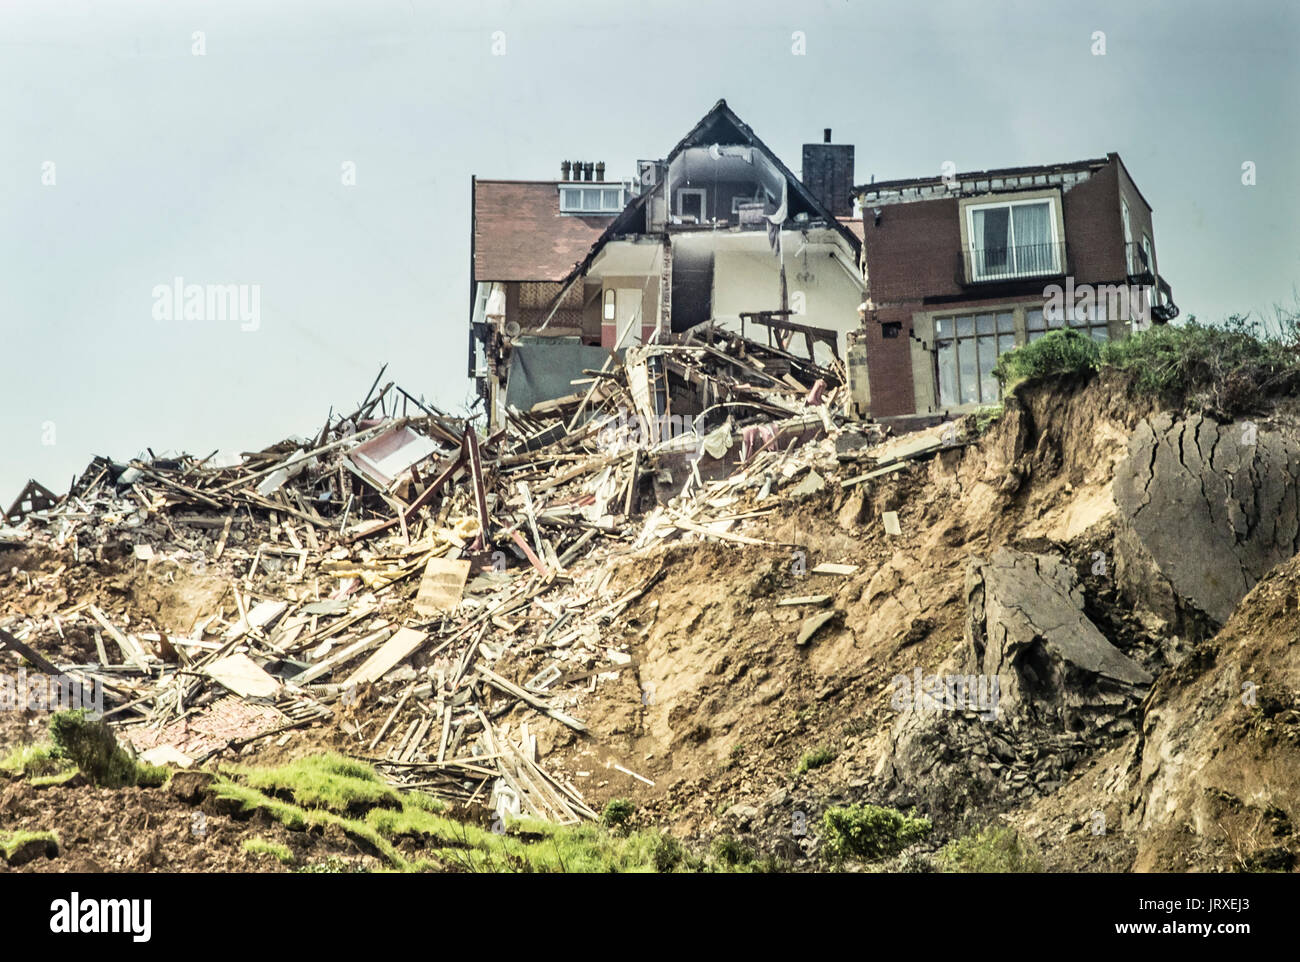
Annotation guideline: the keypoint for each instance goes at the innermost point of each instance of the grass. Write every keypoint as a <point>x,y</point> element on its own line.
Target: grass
<point>37,760</point>
<point>329,790</point>
<point>1229,368</point>
<point>991,849</point>
<point>869,832</point>
<point>91,745</point>
<point>815,759</point>
<point>330,781</point>
<point>11,842</point>
<point>261,846</point>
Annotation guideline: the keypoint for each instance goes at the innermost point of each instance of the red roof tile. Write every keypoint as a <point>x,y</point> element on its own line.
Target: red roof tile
<point>520,235</point>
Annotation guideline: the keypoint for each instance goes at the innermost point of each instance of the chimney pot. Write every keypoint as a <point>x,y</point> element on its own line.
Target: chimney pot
<point>564,170</point>
<point>826,135</point>
<point>600,170</point>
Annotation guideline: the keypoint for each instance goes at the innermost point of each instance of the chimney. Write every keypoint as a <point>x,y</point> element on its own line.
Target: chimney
<point>828,174</point>
<point>564,170</point>
<point>586,170</point>
<point>577,170</point>
<point>600,170</point>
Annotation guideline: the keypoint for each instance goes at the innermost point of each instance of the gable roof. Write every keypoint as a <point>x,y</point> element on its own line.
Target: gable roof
<point>519,233</point>
<point>719,126</point>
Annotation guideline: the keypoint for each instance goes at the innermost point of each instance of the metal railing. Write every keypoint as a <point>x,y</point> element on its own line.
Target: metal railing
<point>1011,263</point>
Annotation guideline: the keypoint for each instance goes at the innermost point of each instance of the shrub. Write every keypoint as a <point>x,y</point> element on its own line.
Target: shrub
<point>617,811</point>
<point>992,849</point>
<point>1056,353</point>
<point>731,852</point>
<point>93,748</point>
<point>1229,368</point>
<point>869,832</point>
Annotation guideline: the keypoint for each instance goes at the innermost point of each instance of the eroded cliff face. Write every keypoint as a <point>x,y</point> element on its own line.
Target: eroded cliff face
<point>1146,658</point>
<point>1208,509</point>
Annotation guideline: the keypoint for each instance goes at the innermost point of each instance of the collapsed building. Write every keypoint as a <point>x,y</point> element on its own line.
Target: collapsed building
<point>906,290</point>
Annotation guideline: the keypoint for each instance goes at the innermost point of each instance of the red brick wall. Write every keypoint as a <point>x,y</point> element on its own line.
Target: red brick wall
<point>914,263</point>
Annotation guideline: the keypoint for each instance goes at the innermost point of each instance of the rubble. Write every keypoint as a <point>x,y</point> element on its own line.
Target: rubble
<point>371,576</point>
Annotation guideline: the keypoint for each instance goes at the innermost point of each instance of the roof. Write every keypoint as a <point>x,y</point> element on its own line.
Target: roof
<point>520,234</point>
<point>719,125</point>
<point>1000,173</point>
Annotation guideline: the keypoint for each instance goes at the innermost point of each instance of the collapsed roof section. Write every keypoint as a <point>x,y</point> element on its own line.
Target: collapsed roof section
<point>720,175</point>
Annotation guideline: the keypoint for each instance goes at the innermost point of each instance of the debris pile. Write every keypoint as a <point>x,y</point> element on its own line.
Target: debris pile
<point>372,576</point>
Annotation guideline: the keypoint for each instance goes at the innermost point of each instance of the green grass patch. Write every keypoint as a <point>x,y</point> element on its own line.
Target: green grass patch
<point>91,745</point>
<point>262,846</point>
<point>991,849</point>
<point>329,781</point>
<point>329,790</point>
<point>11,842</point>
<point>869,832</point>
<point>36,760</point>
<point>815,759</point>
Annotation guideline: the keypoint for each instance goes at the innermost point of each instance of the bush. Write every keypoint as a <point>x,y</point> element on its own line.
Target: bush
<point>992,849</point>
<point>1056,353</point>
<point>91,745</point>
<point>617,811</point>
<point>869,832</point>
<point>729,851</point>
<point>1228,368</point>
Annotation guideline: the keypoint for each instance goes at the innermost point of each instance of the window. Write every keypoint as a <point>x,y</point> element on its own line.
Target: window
<point>597,199</point>
<point>690,203</point>
<point>967,347</point>
<point>1089,319</point>
<point>1085,318</point>
<point>1128,234</point>
<point>1012,239</point>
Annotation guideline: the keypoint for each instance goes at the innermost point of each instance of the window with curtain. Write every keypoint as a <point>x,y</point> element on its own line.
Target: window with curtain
<point>1015,239</point>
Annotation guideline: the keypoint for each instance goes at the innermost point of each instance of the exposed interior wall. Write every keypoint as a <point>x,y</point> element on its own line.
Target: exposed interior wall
<point>647,284</point>
<point>826,295</point>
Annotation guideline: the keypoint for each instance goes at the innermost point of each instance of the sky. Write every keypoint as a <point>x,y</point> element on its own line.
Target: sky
<point>320,154</point>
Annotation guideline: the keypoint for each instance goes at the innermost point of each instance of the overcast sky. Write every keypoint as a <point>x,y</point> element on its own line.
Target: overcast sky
<point>220,159</point>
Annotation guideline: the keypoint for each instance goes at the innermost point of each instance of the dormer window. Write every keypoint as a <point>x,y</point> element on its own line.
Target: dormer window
<point>591,199</point>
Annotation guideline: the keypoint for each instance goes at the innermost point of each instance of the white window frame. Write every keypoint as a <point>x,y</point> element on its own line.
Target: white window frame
<point>683,191</point>
<point>972,240</point>
<point>1128,235</point>
<point>592,185</point>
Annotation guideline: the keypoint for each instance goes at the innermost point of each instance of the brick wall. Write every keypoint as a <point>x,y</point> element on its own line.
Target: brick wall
<point>914,263</point>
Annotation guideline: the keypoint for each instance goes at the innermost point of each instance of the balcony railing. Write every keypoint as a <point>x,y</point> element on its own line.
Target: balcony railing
<point>983,264</point>
<point>1012,263</point>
